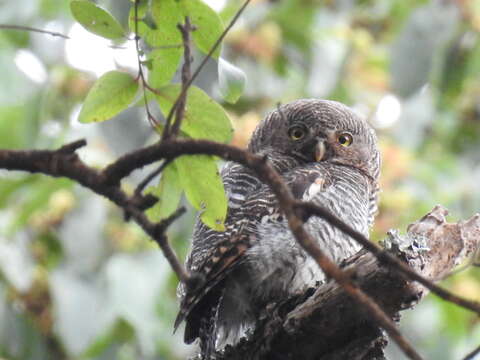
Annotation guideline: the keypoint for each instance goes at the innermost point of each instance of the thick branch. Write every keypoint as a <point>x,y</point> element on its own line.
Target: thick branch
<point>330,325</point>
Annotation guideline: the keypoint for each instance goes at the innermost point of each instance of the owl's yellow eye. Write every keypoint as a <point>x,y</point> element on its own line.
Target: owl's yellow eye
<point>296,133</point>
<point>345,139</point>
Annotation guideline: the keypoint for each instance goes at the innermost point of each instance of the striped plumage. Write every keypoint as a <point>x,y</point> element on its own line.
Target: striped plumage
<point>327,155</point>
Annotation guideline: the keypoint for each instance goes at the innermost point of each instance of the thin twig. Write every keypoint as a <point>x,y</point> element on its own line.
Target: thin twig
<point>151,176</point>
<point>32,29</point>
<point>186,75</point>
<point>164,47</point>
<point>205,60</point>
<point>472,355</point>
<point>151,119</point>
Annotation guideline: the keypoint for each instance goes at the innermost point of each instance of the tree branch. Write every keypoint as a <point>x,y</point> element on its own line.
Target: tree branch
<point>472,354</point>
<point>32,29</point>
<point>64,162</point>
<point>185,30</point>
<point>328,324</point>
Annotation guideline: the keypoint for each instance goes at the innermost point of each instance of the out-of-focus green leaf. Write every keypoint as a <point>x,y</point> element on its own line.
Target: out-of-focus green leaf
<point>51,9</point>
<point>134,281</point>
<point>168,191</point>
<point>425,34</point>
<point>81,233</point>
<point>93,316</point>
<point>37,199</point>
<point>9,186</point>
<point>17,263</point>
<point>204,188</point>
<point>461,66</point>
<point>296,29</point>
<point>13,127</point>
<point>18,334</point>
<point>231,81</point>
<point>209,25</point>
<point>16,88</point>
<point>111,93</point>
<point>204,118</point>
<point>96,20</point>
<point>120,332</point>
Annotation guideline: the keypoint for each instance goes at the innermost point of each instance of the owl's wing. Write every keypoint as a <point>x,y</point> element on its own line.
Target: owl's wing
<point>214,254</point>
<point>212,271</point>
<point>217,253</point>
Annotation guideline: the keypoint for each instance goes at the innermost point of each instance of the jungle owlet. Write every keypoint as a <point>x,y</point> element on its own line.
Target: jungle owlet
<point>327,155</point>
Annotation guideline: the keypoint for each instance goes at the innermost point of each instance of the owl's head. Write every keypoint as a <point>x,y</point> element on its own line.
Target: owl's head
<point>319,130</point>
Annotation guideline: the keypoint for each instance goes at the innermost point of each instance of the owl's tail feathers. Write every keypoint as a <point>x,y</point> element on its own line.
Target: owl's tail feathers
<point>208,329</point>
<point>198,299</point>
<point>197,306</point>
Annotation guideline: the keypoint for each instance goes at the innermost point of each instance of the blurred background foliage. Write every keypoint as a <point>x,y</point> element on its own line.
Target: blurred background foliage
<point>77,282</point>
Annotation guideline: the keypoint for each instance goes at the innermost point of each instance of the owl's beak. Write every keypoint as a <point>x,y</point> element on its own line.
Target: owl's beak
<point>320,150</point>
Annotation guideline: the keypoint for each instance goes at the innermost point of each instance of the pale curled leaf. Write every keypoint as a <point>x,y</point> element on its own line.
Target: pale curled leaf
<point>96,20</point>
<point>111,93</point>
<point>231,81</point>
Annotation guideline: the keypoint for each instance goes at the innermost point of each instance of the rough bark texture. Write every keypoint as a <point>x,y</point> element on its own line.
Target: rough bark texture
<point>325,323</point>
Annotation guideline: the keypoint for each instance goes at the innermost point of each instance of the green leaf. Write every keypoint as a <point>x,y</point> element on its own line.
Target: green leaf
<point>164,65</point>
<point>209,25</point>
<point>204,188</point>
<point>142,15</point>
<point>231,81</point>
<point>36,199</point>
<point>96,20</point>
<point>8,187</point>
<point>166,41</point>
<point>204,118</point>
<point>112,93</point>
<point>168,191</point>
<point>166,14</point>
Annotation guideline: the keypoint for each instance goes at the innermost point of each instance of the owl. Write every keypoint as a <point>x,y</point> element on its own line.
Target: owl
<point>327,155</point>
